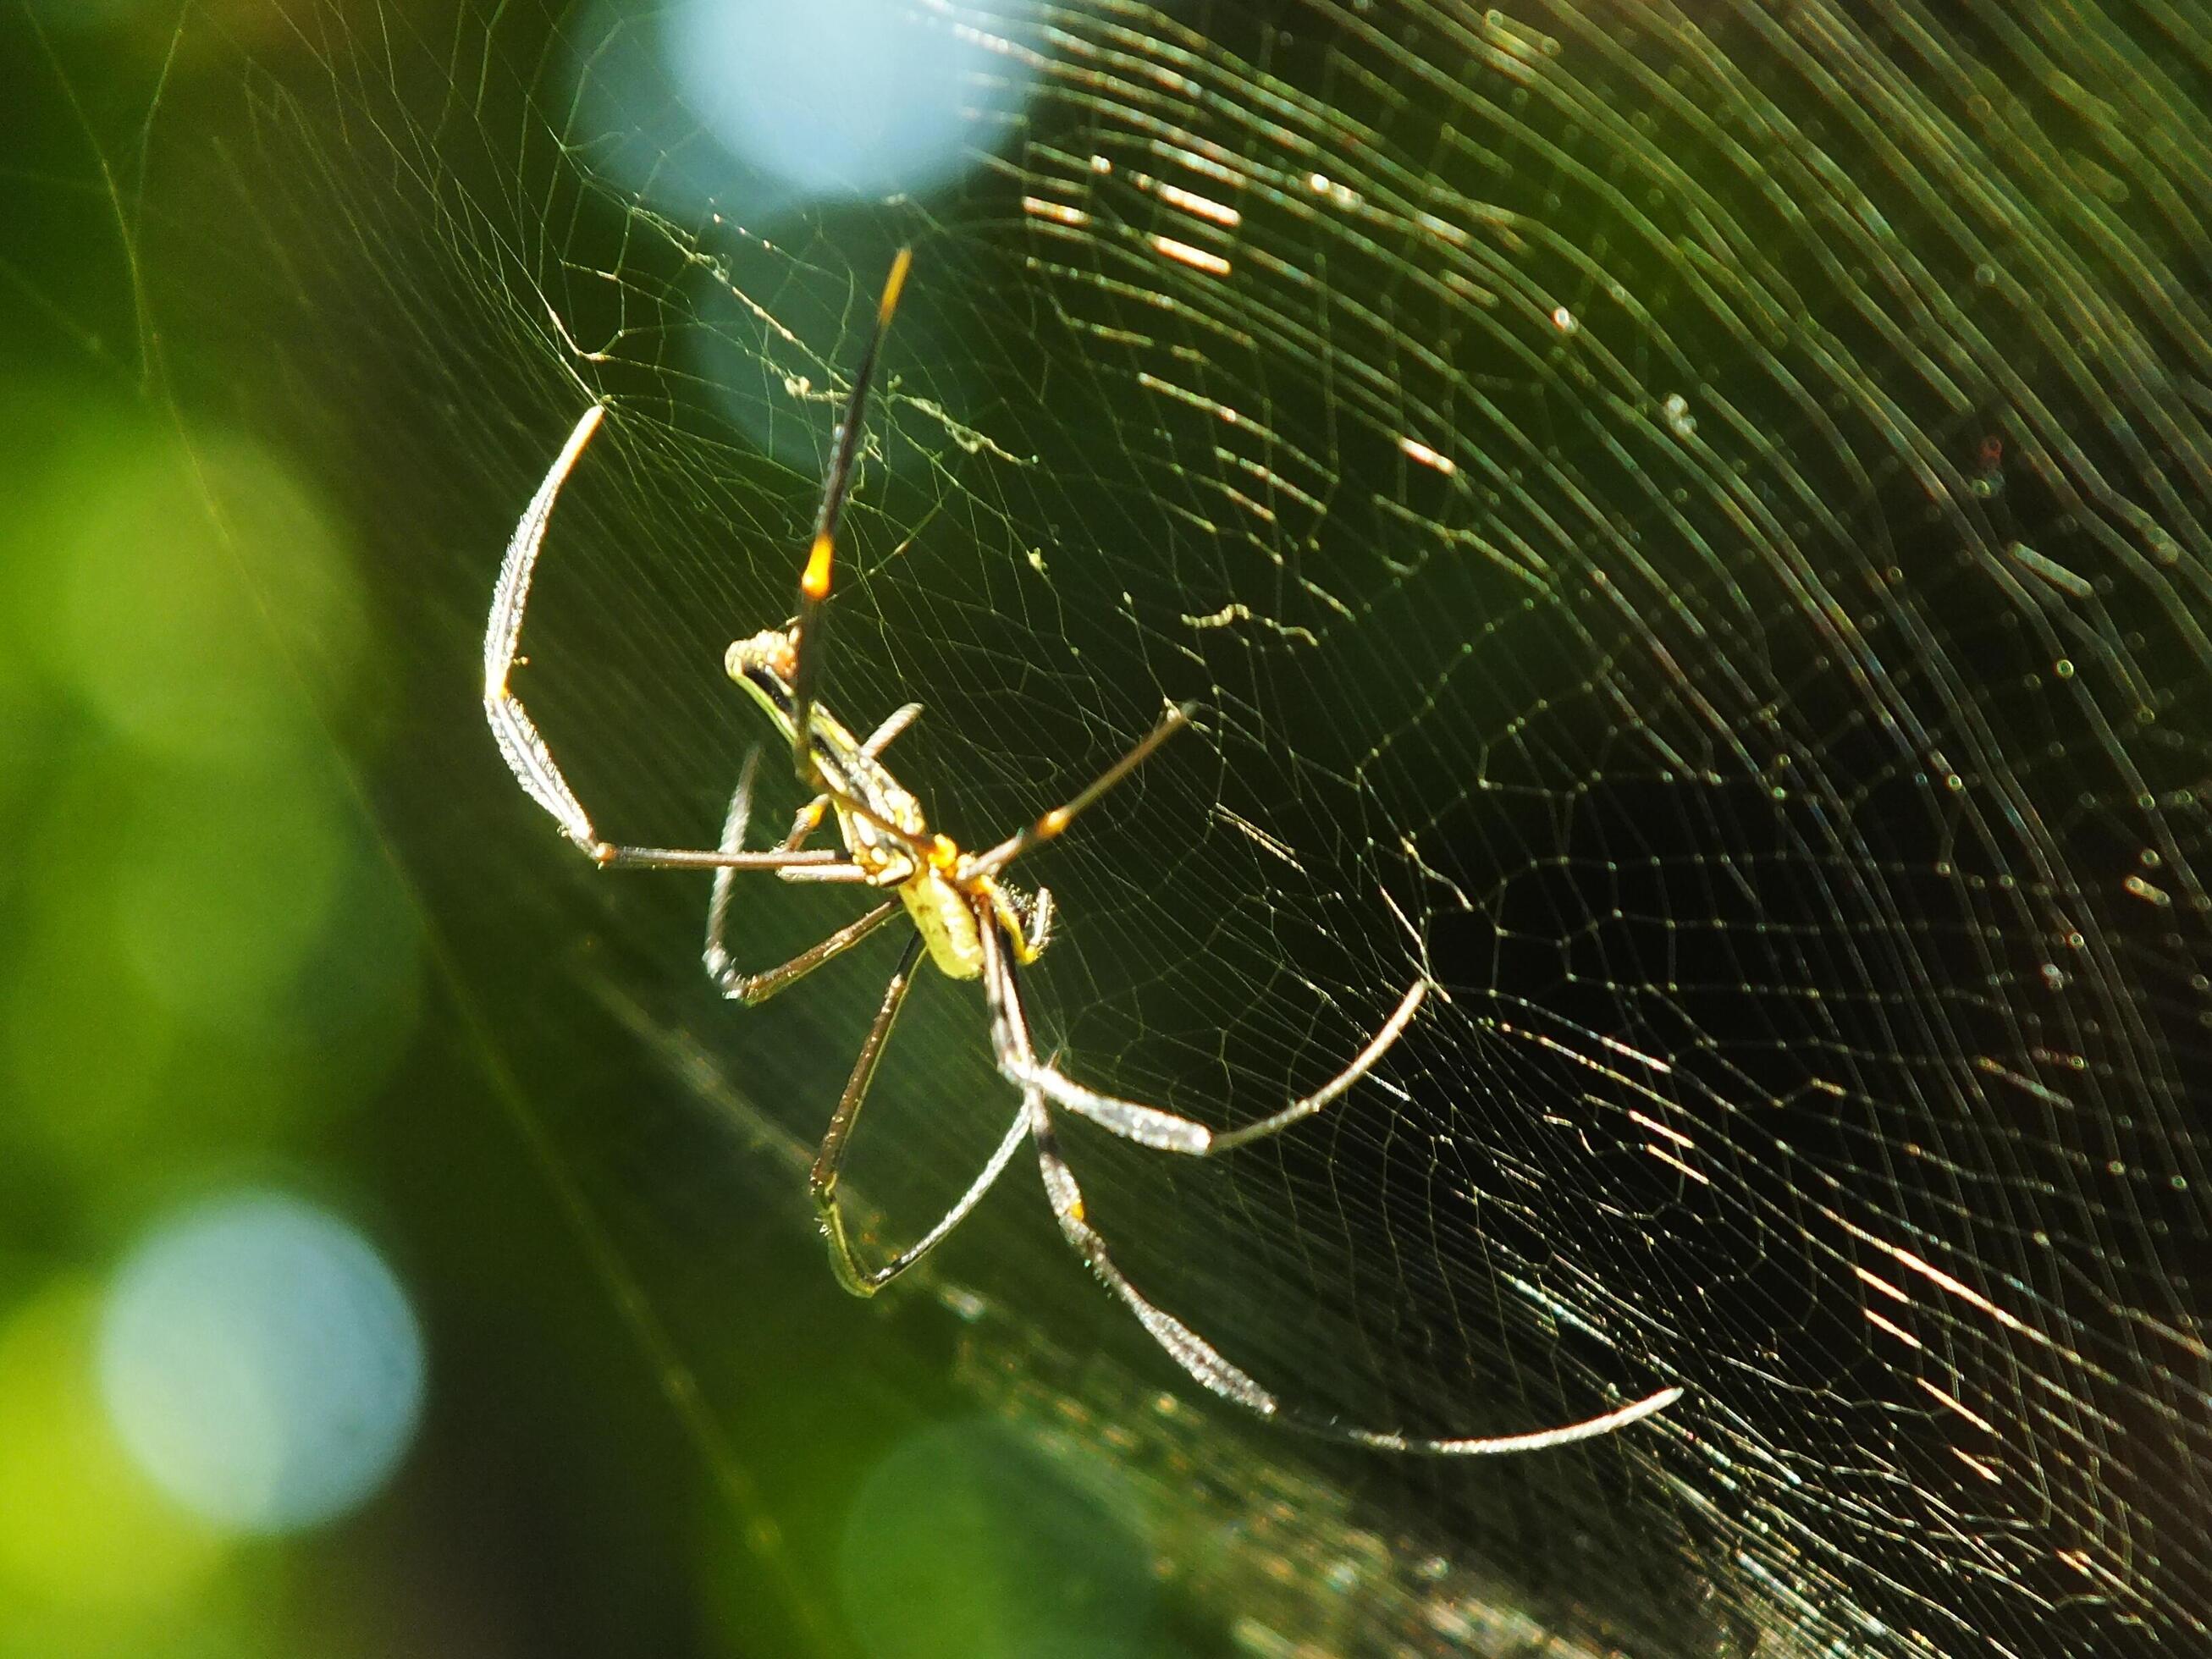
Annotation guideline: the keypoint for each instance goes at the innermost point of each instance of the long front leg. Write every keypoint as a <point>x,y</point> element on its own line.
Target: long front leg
<point>815,580</point>
<point>521,742</point>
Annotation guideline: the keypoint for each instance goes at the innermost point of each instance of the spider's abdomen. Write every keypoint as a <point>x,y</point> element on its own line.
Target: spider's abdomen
<point>947,922</point>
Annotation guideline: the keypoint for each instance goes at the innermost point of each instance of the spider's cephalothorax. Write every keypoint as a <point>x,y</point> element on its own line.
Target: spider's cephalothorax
<point>882,825</point>
<point>973,925</point>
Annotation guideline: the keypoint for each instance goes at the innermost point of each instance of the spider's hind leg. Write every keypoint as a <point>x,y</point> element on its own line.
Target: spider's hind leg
<point>854,1274</point>
<point>1206,1364</point>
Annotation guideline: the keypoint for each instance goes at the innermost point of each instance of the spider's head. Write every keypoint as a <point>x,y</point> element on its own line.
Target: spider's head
<point>765,666</point>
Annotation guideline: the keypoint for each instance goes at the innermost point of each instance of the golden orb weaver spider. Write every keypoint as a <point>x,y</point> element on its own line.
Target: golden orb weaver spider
<point>973,925</point>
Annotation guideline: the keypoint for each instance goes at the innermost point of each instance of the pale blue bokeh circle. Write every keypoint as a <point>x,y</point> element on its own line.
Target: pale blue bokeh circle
<point>843,98</point>
<point>260,1362</point>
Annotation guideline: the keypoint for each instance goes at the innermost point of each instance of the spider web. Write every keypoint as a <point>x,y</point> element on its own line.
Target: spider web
<point>1691,528</point>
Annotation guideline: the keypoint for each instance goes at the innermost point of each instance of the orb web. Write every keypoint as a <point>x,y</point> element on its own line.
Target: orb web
<point>1689,526</point>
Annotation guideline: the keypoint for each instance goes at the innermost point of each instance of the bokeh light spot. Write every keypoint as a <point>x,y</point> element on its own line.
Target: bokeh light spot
<point>203,595</point>
<point>839,98</point>
<point>965,1543</point>
<point>261,1363</point>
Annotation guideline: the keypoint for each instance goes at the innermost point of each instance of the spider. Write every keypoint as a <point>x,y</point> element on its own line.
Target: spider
<point>972,924</point>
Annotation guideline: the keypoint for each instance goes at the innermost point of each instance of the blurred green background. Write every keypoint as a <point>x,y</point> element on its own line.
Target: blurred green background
<point>221,992</point>
<point>309,1343</point>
